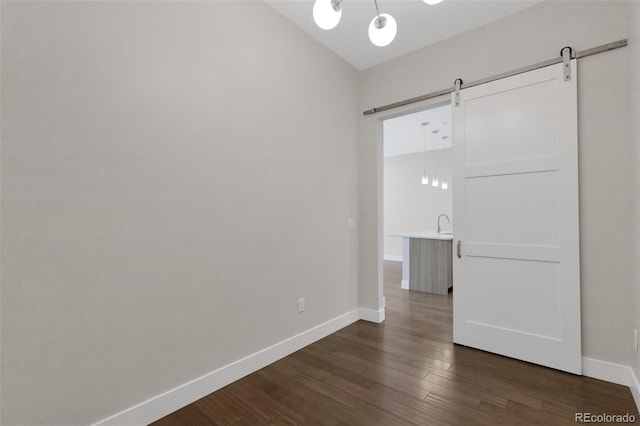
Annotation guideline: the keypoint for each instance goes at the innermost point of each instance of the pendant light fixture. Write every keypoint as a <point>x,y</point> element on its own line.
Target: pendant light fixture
<point>435,182</point>
<point>327,13</point>
<point>425,175</point>
<point>444,178</point>
<point>382,29</point>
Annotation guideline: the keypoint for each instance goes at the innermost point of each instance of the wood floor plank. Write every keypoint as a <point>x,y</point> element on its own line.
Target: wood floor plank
<point>405,371</point>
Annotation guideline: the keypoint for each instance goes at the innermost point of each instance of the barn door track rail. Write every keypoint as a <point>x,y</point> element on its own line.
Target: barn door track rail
<point>566,54</point>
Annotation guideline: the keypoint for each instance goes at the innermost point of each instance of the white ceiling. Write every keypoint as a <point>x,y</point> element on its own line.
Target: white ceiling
<point>406,135</point>
<point>419,24</point>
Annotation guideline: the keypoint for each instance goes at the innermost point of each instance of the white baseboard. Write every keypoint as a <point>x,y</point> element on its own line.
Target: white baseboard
<point>371,315</point>
<point>614,373</point>
<point>604,370</point>
<point>635,388</point>
<point>404,284</point>
<point>393,258</point>
<point>174,399</point>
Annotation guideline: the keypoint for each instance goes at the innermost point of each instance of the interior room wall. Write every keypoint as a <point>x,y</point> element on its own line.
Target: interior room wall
<point>536,34</point>
<point>175,175</point>
<point>634,91</point>
<point>408,204</point>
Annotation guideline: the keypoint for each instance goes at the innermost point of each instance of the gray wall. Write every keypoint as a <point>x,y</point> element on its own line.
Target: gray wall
<point>175,176</point>
<point>634,90</point>
<point>408,204</point>
<point>533,35</point>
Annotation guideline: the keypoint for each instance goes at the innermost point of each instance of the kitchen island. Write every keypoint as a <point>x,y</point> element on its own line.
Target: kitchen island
<point>427,261</point>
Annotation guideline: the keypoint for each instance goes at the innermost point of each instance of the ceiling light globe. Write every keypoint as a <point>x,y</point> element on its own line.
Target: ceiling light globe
<point>432,2</point>
<point>325,15</point>
<point>383,33</point>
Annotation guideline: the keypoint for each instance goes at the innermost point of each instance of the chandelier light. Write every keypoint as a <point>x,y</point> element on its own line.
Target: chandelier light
<point>382,28</point>
<point>327,13</point>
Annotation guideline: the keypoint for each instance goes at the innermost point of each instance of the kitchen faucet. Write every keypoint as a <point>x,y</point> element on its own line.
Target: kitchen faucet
<point>439,229</point>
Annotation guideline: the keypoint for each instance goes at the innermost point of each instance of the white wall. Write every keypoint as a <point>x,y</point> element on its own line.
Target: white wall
<point>408,204</point>
<point>634,90</point>
<point>533,35</point>
<point>175,176</point>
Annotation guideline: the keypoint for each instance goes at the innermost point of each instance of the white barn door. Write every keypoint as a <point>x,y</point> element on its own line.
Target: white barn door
<point>515,208</point>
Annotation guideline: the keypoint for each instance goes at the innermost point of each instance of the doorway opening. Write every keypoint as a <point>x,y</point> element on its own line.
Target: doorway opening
<point>417,207</point>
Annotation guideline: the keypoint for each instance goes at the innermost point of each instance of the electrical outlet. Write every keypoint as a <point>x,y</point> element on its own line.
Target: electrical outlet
<point>301,304</point>
<point>351,222</point>
<point>384,302</point>
<point>635,340</point>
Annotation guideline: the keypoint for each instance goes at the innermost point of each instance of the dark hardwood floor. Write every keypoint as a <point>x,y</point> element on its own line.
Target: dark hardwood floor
<point>405,371</point>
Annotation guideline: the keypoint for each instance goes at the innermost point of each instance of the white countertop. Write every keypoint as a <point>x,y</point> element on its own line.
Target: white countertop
<point>425,235</point>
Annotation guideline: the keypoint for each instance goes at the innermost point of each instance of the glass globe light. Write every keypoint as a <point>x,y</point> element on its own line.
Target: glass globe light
<point>382,30</point>
<point>326,13</point>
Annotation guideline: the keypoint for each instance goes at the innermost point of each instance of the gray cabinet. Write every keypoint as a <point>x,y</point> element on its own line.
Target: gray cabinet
<point>430,265</point>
